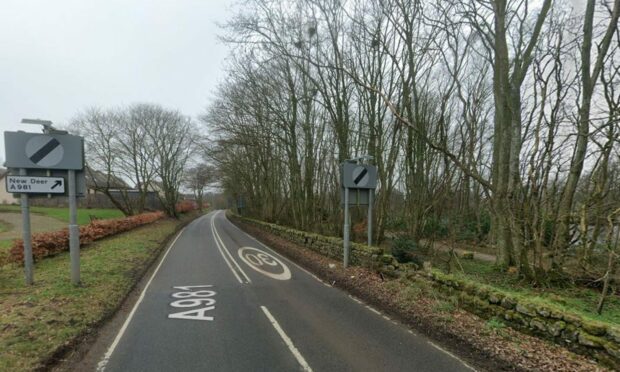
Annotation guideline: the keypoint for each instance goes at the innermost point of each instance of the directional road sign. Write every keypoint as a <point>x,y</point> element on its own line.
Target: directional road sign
<point>35,185</point>
<point>81,190</point>
<point>43,151</point>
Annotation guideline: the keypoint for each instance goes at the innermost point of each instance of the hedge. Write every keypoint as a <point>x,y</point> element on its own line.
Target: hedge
<point>50,243</point>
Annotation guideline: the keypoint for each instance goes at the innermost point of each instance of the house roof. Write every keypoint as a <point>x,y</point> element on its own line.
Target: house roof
<point>99,180</point>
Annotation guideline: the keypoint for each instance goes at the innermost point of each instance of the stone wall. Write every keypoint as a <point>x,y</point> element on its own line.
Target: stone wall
<point>599,340</point>
<point>332,247</point>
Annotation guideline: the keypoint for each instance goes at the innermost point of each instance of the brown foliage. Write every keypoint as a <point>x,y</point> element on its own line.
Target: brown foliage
<point>51,243</point>
<point>185,206</point>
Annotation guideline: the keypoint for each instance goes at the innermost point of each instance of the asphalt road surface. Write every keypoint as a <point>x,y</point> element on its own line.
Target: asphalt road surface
<point>221,301</point>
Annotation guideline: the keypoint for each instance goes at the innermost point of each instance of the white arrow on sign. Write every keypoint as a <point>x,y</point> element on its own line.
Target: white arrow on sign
<point>35,185</point>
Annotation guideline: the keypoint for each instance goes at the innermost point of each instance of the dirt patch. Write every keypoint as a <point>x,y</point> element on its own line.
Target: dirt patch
<point>38,223</point>
<point>464,334</point>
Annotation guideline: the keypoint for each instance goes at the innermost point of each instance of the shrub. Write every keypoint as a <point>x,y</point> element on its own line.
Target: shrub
<point>51,243</point>
<point>404,249</point>
<point>473,228</point>
<point>395,223</point>
<point>435,227</point>
<point>185,206</point>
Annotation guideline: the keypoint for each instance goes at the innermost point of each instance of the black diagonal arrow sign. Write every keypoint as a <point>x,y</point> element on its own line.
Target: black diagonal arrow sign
<point>45,150</point>
<point>360,176</point>
<point>56,184</point>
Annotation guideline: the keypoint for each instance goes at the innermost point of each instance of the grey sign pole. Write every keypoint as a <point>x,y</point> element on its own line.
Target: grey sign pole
<point>74,231</point>
<point>28,261</point>
<point>371,193</point>
<point>345,262</point>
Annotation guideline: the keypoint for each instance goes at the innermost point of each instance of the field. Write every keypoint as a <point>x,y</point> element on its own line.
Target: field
<point>62,214</point>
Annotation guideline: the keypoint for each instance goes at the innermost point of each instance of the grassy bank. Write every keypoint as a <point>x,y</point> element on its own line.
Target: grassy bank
<point>62,214</point>
<point>577,299</point>
<point>37,321</point>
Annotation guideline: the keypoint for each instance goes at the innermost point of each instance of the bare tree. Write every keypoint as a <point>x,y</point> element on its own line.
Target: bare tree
<point>197,179</point>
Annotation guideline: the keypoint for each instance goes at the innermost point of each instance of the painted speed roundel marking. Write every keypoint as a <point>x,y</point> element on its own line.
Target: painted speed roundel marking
<point>264,263</point>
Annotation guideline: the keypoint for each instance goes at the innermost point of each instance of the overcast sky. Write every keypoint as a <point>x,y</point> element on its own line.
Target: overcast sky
<point>58,57</point>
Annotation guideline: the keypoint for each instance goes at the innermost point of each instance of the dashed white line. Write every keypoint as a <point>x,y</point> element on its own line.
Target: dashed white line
<point>356,300</point>
<point>300,359</point>
<point>452,355</point>
<point>373,310</point>
<point>106,358</point>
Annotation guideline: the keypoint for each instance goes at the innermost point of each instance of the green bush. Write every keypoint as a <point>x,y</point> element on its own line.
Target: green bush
<point>404,249</point>
<point>435,227</point>
<point>472,229</point>
<point>548,231</point>
<point>395,223</point>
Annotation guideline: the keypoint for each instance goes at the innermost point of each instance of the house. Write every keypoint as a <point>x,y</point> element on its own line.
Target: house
<point>96,181</point>
<point>5,196</point>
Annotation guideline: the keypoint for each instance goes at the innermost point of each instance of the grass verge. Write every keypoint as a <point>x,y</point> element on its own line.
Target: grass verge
<point>39,321</point>
<point>5,226</point>
<point>62,214</point>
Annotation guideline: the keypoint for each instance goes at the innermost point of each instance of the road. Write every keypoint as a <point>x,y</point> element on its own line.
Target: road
<point>221,301</point>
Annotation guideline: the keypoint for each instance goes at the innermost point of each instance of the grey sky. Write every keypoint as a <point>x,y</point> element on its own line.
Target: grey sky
<point>58,57</point>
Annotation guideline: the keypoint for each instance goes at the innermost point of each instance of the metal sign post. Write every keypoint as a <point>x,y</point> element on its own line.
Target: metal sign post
<point>370,197</point>
<point>26,237</point>
<point>74,231</point>
<point>362,179</point>
<point>347,228</point>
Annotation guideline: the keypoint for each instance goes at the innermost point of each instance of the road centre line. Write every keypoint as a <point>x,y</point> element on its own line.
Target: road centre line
<point>217,244</point>
<point>229,254</point>
<point>106,358</point>
<point>224,252</point>
<point>300,359</point>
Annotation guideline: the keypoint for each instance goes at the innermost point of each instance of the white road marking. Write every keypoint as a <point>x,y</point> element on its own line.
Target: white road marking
<point>300,359</point>
<point>255,258</point>
<point>201,297</point>
<point>356,300</point>
<point>224,251</point>
<point>106,358</point>
<point>373,310</point>
<point>217,243</point>
<point>279,255</point>
<point>452,355</point>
